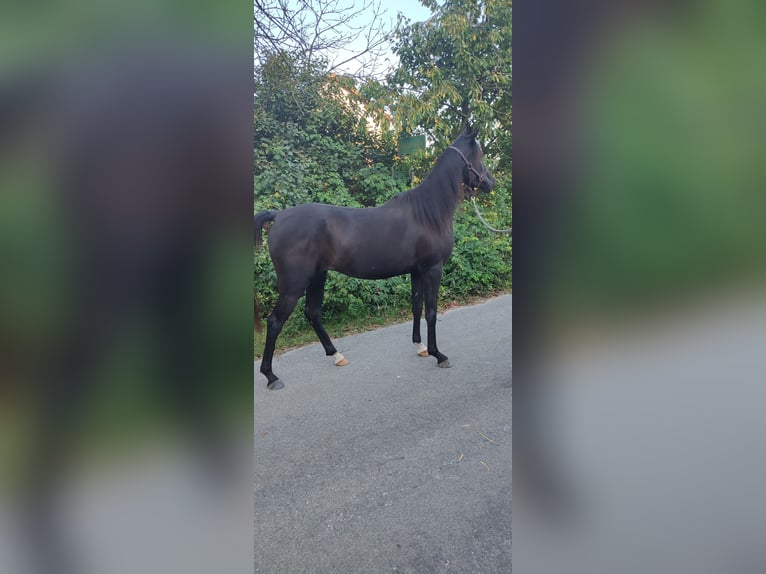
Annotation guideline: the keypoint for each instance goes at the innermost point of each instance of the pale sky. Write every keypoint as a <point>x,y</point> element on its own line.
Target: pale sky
<point>412,9</point>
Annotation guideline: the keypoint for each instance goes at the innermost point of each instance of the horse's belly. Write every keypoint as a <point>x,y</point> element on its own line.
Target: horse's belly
<point>369,270</point>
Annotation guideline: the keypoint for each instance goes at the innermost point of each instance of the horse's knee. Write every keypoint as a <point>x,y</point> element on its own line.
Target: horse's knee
<point>430,315</point>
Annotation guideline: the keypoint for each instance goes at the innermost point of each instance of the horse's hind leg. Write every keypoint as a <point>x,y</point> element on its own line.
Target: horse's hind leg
<point>417,310</point>
<point>313,312</point>
<point>431,280</point>
<point>275,322</point>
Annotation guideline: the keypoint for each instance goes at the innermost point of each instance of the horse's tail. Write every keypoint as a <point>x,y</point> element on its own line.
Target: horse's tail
<point>256,313</point>
<point>259,220</point>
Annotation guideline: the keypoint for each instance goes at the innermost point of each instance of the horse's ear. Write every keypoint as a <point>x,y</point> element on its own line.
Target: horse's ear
<point>470,133</point>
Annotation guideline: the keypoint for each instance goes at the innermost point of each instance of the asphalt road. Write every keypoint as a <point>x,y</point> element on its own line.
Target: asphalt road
<point>389,464</point>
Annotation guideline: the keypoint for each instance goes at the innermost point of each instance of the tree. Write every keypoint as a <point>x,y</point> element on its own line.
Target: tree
<point>312,139</point>
<point>455,69</point>
<point>320,31</point>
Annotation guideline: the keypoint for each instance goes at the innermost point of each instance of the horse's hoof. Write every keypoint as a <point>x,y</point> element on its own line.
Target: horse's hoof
<point>421,349</point>
<point>445,364</point>
<point>342,363</point>
<point>275,385</point>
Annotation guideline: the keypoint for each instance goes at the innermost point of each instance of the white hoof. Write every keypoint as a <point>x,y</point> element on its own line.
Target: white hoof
<point>340,360</point>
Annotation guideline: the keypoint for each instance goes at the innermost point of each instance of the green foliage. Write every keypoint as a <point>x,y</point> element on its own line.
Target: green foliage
<point>481,262</point>
<point>312,142</point>
<point>455,68</point>
<point>377,185</point>
<point>358,299</point>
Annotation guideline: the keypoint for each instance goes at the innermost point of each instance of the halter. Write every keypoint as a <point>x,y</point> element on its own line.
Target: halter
<point>482,176</point>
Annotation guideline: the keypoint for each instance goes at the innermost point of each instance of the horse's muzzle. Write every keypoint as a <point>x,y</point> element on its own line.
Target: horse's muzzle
<point>487,183</point>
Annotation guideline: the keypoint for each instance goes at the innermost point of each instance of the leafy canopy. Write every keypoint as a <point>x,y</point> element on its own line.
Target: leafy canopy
<point>455,69</point>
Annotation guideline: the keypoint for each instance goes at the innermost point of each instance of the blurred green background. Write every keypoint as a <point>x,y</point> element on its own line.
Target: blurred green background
<point>670,198</point>
<point>48,42</point>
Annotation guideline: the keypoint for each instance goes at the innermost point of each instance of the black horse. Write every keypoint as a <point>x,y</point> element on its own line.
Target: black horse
<point>411,233</point>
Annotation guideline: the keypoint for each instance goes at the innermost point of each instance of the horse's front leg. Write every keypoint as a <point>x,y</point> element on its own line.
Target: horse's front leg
<point>431,281</point>
<point>417,310</point>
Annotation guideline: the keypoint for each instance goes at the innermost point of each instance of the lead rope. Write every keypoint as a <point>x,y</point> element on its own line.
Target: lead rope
<point>487,225</point>
<point>481,177</point>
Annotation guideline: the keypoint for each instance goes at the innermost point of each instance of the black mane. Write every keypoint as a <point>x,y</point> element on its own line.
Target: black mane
<point>433,201</point>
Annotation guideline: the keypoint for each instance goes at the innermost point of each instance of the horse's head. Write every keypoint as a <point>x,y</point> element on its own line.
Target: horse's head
<point>476,176</point>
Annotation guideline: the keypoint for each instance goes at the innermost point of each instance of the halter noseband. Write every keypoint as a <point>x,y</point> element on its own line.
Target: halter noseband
<point>482,176</point>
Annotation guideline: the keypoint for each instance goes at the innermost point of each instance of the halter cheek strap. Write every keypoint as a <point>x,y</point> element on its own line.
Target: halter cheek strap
<point>482,176</point>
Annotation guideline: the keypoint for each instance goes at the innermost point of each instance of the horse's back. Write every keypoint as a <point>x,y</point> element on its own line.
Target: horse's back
<point>302,230</point>
<point>301,221</point>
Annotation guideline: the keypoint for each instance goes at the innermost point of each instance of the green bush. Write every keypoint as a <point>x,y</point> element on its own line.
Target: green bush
<point>481,262</point>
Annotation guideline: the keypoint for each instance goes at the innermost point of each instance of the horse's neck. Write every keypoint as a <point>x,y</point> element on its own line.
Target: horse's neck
<point>447,183</point>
